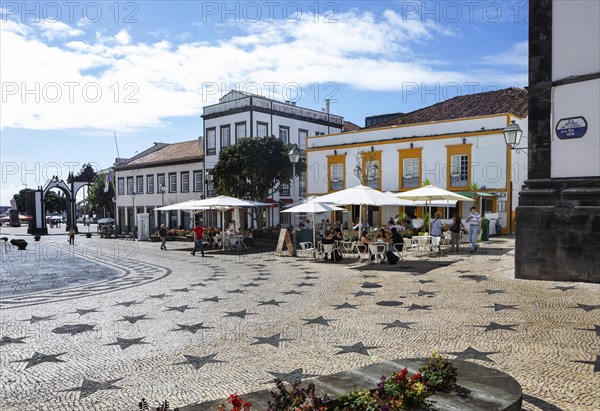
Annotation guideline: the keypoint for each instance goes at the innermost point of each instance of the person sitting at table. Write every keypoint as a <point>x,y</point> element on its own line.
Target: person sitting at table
<point>248,242</point>
<point>396,238</point>
<point>337,234</point>
<point>381,235</point>
<point>390,223</point>
<point>364,239</point>
<point>231,227</point>
<point>436,231</point>
<point>327,239</point>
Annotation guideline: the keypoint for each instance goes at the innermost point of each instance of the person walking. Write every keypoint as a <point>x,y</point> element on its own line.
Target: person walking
<point>474,221</point>
<point>455,231</point>
<point>198,234</point>
<point>162,233</point>
<point>436,232</point>
<point>71,236</point>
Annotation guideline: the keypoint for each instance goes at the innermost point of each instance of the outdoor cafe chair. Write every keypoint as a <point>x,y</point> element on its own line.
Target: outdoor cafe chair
<point>326,249</point>
<point>399,249</point>
<point>305,247</point>
<point>378,250</point>
<point>362,252</point>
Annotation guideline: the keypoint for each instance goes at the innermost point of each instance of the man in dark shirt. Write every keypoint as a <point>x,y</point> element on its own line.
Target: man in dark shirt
<point>198,233</point>
<point>397,239</point>
<point>162,233</point>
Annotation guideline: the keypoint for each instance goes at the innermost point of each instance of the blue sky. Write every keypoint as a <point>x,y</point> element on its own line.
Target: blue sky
<point>73,73</point>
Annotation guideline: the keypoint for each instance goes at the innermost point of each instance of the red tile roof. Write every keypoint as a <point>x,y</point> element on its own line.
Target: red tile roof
<point>510,100</point>
<point>186,150</point>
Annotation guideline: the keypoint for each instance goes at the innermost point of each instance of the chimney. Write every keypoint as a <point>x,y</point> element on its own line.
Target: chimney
<point>327,104</point>
<point>293,103</point>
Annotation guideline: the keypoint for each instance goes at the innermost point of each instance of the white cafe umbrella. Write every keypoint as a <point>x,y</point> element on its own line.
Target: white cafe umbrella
<point>187,206</point>
<point>224,203</point>
<point>314,208</point>
<point>362,196</point>
<point>431,193</point>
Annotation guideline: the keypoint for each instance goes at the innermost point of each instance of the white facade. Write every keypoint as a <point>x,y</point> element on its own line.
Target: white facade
<point>150,197</point>
<point>407,155</point>
<point>239,115</point>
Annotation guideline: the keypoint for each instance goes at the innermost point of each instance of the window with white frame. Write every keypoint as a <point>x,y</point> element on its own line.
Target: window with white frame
<point>129,185</point>
<point>501,206</point>
<point>284,190</point>
<point>262,129</point>
<point>240,130</point>
<point>336,177</point>
<point>139,185</point>
<point>225,136</point>
<point>410,172</point>
<point>211,141</point>
<point>160,180</point>
<point>121,186</point>
<point>302,136</point>
<point>185,181</point>
<point>150,184</point>
<point>197,181</point>
<point>284,134</point>
<point>172,182</point>
<point>459,170</point>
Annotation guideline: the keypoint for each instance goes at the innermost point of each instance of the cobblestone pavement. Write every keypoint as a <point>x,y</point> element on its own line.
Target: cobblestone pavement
<point>167,325</point>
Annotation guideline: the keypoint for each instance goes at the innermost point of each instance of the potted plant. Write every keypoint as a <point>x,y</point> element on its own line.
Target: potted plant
<point>20,244</point>
<point>37,237</point>
<point>88,235</point>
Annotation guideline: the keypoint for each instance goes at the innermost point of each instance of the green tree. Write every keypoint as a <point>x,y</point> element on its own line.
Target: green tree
<point>86,173</point>
<point>97,199</point>
<point>254,169</point>
<point>20,199</point>
<point>55,203</point>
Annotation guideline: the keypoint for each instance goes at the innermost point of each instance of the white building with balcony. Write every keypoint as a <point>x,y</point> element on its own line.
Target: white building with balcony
<point>239,115</point>
<point>453,144</point>
<point>161,175</point>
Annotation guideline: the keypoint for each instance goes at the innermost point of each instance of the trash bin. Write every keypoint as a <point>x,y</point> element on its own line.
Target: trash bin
<point>485,229</point>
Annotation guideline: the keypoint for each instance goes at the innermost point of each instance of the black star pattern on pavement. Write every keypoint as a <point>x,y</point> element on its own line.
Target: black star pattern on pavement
<point>213,278</point>
<point>473,354</point>
<point>73,329</point>
<point>596,329</point>
<point>260,279</point>
<point>251,285</point>
<point>319,320</point>
<point>305,284</point>
<point>490,292</point>
<point>310,277</point>
<point>363,293</point>
<point>126,303</point>
<point>198,285</point>
<point>273,340</point>
<point>181,290</point>
<point>128,342</point>
<point>271,302</point>
<point>414,274</point>
<point>191,328</point>
<point>89,387</point>
<point>426,281</point>
<point>159,296</point>
<point>181,308</point>
<point>358,348</point>
<point>35,319</point>
<point>345,305</point>
<point>241,314</point>
<point>423,293</point>
<point>236,291</point>
<point>595,363</point>
<point>587,308</point>
<point>38,358</point>
<point>369,276</point>
<point>500,307</point>
<point>564,288</point>
<point>134,318</point>
<point>462,271</point>
<point>8,340</point>
<point>290,377</point>
<point>474,277</point>
<point>414,307</point>
<point>83,311</point>
<point>292,292</point>
<point>199,362</point>
<point>495,326</point>
<point>371,285</point>
<point>215,299</point>
<point>397,324</point>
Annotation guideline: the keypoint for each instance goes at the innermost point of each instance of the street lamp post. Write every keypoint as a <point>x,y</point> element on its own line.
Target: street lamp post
<point>162,189</point>
<point>133,210</point>
<point>512,137</point>
<point>294,156</point>
<point>209,178</point>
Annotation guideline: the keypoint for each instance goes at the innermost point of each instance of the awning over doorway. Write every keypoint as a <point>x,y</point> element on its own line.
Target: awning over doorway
<point>480,194</point>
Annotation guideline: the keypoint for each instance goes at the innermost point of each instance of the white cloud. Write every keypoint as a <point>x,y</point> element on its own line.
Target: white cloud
<point>517,55</point>
<point>143,83</point>
<point>51,30</point>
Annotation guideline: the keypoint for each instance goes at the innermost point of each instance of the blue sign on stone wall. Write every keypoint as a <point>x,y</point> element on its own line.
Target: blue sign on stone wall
<point>572,127</point>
